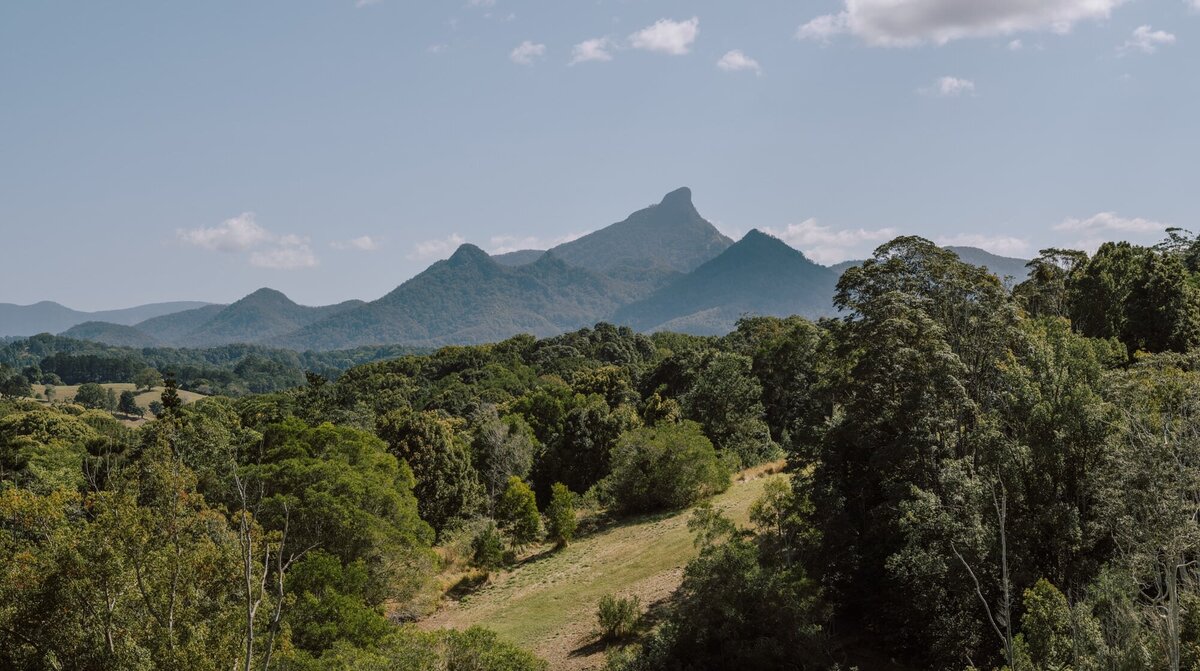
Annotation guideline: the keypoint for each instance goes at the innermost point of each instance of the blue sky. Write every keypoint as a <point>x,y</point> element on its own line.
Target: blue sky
<point>158,151</point>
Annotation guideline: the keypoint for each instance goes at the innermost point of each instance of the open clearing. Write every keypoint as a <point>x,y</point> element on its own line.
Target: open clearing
<point>67,393</point>
<point>548,603</point>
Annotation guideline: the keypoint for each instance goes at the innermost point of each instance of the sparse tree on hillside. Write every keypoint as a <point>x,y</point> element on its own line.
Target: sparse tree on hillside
<point>560,515</point>
<point>128,404</point>
<point>148,378</point>
<point>170,395</point>
<point>518,514</point>
<point>92,395</point>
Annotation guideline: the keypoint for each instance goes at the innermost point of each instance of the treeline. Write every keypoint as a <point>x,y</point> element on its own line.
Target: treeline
<point>233,370</point>
<point>979,478</point>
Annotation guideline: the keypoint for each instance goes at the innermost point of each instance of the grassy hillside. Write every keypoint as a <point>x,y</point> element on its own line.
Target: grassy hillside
<point>548,603</point>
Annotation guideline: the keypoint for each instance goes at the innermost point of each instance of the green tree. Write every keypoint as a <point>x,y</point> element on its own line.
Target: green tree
<point>518,514</point>
<point>726,399</point>
<point>501,448</point>
<point>560,515</point>
<point>128,404</point>
<point>666,467</point>
<point>148,378</point>
<point>92,395</point>
<point>447,485</point>
<point>171,402</point>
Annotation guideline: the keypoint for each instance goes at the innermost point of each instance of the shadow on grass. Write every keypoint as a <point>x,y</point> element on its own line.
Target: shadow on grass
<point>467,585</point>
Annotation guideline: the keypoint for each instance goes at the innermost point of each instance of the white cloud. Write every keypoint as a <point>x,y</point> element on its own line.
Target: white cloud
<point>826,245</point>
<point>735,60</point>
<point>363,243</point>
<point>997,244</point>
<point>236,234</point>
<point>950,87</point>
<point>526,52</point>
<point>1110,222</point>
<point>824,28</point>
<point>439,248</point>
<point>667,36</point>
<point>242,234</point>
<point>595,49</point>
<point>1147,40</point>
<point>896,23</point>
<point>439,48</point>
<point>359,4</point>
<point>502,244</point>
<point>291,253</point>
<point>482,3</point>
<point>1016,45</point>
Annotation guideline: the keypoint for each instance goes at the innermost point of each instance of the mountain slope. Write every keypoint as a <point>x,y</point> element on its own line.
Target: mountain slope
<point>650,246</point>
<point>171,328</point>
<point>758,275</point>
<point>519,257</point>
<point>1000,266</point>
<point>468,298</point>
<point>51,317</point>
<point>108,333</point>
<point>262,315</point>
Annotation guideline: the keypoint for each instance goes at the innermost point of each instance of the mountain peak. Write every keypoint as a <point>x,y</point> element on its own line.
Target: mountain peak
<point>267,295</point>
<point>468,253</point>
<point>679,198</point>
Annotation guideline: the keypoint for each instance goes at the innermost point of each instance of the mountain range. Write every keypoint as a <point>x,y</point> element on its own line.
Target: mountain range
<point>664,267</point>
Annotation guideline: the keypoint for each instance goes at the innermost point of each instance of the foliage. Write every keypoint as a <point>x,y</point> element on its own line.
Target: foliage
<point>560,515</point>
<point>618,616</point>
<point>518,514</point>
<point>664,468</point>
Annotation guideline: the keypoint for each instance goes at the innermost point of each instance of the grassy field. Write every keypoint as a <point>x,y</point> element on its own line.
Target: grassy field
<point>67,393</point>
<point>548,603</point>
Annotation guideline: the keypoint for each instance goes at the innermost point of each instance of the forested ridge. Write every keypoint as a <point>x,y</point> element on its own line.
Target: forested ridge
<point>981,477</point>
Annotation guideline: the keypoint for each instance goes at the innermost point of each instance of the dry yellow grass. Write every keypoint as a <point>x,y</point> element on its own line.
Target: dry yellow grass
<point>548,603</point>
<point>66,393</point>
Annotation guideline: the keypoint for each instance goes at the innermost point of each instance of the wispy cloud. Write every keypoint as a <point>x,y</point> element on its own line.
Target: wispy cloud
<point>289,253</point>
<point>236,234</point>
<point>1110,222</point>
<point>527,52</point>
<point>827,245</point>
<point>363,243</point>
<point>1003,245</point>
<point>595,49</point>
<point>242,234</point>
<point>502,244</point>
<point>437,248</point>
<point>667,36</point>
<point>888,23</point>
<point>359,4</point>
<point>1147,40</point>
<point>949,87</point>
<point>735,61</point>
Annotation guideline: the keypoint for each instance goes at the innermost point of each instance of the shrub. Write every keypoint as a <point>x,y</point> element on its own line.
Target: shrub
<point>560,515</point>
<point>618,616</point>
<point>518,513</point>
<point>667,467</point>
<point>487,550</point>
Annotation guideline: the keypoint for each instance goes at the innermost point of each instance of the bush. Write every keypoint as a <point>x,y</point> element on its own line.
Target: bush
<point>560,515</point>
<point>487,550</point>
<point>618,616</point>
<point>518,513</point>
<point>667,467</point>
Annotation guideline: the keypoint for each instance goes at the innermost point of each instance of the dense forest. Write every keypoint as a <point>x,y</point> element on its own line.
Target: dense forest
<point>981,477</point>
<point>231,370</point>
